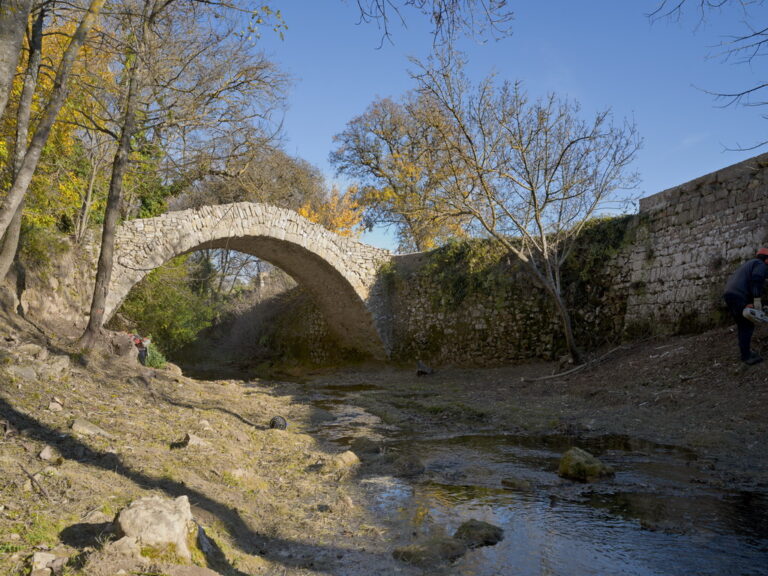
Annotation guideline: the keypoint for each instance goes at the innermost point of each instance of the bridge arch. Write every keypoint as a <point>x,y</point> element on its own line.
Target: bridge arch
<point>340,273</point>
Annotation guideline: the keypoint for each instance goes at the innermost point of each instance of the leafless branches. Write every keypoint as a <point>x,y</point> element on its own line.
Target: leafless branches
<point>740,48</point>
<point>529,173</point>
<point>449,17</point>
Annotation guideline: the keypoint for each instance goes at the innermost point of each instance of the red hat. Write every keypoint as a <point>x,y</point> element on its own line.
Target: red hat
<point>763,252</point>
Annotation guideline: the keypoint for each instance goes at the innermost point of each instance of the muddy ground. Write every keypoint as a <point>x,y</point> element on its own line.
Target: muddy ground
<point>686,391</point>
<point>270,499</point>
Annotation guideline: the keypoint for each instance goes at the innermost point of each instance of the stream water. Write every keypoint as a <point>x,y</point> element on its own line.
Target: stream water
<point>660,516</point>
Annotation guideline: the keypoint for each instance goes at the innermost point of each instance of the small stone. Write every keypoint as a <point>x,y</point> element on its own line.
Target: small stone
<point>191,440</point>
<point>278,423</point>
<point>41,560</point>
<point>23,372</point>
<point>86,428</point>
<point>13,537</point>
<point>206,426</point>
<point>47,454</point>
<point>126,546</point>
<point>56,366</point>
<point>344,463</point>
<point>33,350</point>
<point>55,407</point>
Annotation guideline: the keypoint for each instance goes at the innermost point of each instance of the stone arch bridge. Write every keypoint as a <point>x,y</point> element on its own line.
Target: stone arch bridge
<point>340,273</point>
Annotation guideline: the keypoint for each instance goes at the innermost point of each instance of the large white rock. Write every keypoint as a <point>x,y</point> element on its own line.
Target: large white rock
<point>159,522</point>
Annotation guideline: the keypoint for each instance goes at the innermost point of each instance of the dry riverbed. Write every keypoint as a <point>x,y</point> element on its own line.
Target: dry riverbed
<point>273,501</point>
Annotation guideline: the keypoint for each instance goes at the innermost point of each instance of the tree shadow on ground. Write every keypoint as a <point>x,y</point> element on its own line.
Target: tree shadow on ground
<point>291,554</point>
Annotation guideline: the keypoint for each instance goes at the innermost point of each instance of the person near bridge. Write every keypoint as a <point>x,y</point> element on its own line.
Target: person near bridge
<point>744,289</point>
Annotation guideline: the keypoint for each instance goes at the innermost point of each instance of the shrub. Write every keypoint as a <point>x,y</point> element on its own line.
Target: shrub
<point>155,358</point>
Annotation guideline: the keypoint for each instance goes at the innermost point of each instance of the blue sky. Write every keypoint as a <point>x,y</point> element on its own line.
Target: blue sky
<point>603,53</point>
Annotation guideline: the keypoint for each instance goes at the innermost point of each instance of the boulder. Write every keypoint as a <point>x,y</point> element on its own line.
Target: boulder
<point>159,523</point>
<point>580,465</point>
<point>431,552</point>
<point>476,533</point>
<point>173,369</point>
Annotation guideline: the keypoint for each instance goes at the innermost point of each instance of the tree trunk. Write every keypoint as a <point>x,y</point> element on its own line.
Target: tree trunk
<point>106,255</point>
<point>58,93</point>
<point>565,321</point>
<point>13,233</point>
<point>85,207</point>
<point>13,22</point>
<point>11,242</point>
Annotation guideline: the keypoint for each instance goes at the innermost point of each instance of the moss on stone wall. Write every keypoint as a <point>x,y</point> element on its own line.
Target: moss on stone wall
<point>472,302</point>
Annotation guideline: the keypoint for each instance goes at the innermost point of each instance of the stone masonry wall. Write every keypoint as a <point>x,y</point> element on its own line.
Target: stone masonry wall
<point>689,239</point>
<point>666,275</point>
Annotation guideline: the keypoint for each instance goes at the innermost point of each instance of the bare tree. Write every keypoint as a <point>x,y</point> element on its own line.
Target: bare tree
<point>741,48</point>
<point>528,173</point>
<point>191,83</point>
<point>97,147</point>
<point>13,22</point>
<point>58,93</point>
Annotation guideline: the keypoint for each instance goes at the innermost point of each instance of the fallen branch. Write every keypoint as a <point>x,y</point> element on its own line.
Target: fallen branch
<point>35,483</point>
<point>572,370</point>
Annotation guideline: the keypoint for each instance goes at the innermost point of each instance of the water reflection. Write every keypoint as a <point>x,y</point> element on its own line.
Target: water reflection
<point>660,516</point>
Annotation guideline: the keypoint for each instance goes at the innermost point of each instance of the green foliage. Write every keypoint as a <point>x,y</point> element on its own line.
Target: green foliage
<point>164,305</point>
<point>155,358</point>
<point>465,267</point>
<point>39,245</point>
<point>599,241</point>
<point>149,192</point>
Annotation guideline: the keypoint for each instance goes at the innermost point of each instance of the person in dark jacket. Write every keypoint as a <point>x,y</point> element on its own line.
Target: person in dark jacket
<point>745,290</point>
